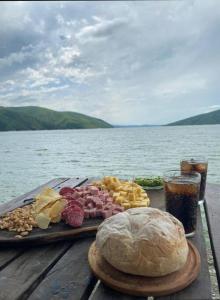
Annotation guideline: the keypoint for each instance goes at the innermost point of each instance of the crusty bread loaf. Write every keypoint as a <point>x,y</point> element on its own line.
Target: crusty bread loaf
<point>143,241</point>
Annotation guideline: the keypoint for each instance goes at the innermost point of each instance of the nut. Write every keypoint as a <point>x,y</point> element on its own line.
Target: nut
<point>18,236</point>
<point>20,220</point>
<point>24,233</point>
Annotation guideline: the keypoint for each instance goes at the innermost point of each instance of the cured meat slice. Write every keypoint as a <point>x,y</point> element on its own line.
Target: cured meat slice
<point>66,190</point>
<point>87,202</point>
<point>88,199</point>
<point>102,197</point>
<point>74,216</point>
<point>76,195</point>
<point>99,204</point>
<point>109,199</point>
<point>75,202</point>
<point>94,190</point>
<point>69,197</point>
<point>90,205</point>
<point>81,200</point>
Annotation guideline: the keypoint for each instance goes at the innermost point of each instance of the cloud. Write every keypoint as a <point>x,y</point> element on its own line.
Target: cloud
<point>16,58</point>
<point>126,62</point>
<point>211,108</point>
<point>101,29</point>
<point>216,106</point>
<point>181,86</point>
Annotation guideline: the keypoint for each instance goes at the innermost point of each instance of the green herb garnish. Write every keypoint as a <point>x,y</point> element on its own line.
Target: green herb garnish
<point>149,181</point>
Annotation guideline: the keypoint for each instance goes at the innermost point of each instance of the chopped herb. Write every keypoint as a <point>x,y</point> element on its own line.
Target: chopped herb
<point>149,181</point>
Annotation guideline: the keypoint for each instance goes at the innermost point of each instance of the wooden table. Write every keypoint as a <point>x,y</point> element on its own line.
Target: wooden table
<point>61,271</point>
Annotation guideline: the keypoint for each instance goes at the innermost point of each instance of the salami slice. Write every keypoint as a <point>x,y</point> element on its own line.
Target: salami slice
<point>87,202</point>
<point>74,216</point>
<point>66,190</point>
<point>74,202</point>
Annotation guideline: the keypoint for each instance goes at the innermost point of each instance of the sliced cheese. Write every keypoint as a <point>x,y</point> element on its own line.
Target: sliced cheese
<point>42,220</point>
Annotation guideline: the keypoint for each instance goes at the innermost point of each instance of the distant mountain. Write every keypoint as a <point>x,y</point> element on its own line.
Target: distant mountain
<point>203,119</point>
<point>129,126</point>
<point>39,118</point>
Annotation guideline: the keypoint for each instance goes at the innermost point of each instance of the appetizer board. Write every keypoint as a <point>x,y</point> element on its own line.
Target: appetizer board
<point>145,286</point>
<point>55,232</point>
<point>45,214</point>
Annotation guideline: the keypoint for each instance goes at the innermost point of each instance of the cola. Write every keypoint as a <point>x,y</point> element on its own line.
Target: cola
<point>199,165</point>
<point>181,196</point>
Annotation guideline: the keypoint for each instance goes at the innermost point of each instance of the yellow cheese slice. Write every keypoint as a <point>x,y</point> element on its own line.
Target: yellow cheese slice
<point>56,208</point>
<point>42,220</point>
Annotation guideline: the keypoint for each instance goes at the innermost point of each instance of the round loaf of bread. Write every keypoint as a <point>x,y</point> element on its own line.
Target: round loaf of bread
<point>143,241</point>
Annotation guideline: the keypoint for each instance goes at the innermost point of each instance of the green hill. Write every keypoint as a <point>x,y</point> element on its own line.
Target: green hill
<point>203,119</point>
<point>39,118</point>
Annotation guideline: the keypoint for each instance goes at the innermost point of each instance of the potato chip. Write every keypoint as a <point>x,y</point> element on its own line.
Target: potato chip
<point>56,209</point>
<point>48,192</point>
<point>48,207</point>
<point>56,219</point>
<point>42,220</point>
<point>46,197</point>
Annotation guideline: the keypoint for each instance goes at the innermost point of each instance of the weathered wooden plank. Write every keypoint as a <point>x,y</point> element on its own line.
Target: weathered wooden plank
<point>72,182</point>
<point>200,289</point>
<point>70,278</point>
<point>19,277</point>
<point>9,254</point>
<point>19,201</point>
<point>25,271</point>
<point>212,210</point>
<point>102,292</point>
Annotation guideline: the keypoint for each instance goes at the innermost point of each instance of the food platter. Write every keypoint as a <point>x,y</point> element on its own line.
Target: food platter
<point>55,232</point>
<point>66,214</point>
<point>145,286</point>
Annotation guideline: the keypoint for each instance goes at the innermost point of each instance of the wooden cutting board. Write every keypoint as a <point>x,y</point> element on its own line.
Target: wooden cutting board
<point>145,286</point>
<point>55,232</point>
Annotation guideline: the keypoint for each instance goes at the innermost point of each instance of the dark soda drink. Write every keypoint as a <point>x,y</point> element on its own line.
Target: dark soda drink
<point>181,196</point>
<point>199,165</point>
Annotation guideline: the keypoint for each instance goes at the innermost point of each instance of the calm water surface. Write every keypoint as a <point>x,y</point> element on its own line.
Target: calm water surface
<point>30,158</point>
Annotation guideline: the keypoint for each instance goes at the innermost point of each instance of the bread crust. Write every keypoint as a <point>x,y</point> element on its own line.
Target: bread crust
<point>143,241</point>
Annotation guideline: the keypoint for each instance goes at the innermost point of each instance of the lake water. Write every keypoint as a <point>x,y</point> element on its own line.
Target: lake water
<point>30,158</point>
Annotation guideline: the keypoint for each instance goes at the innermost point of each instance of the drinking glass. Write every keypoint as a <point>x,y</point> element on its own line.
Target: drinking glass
<point>200,165</point>
<point>181,196</point>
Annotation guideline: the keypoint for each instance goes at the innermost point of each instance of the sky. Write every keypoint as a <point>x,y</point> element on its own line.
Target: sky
<point>147,62</point>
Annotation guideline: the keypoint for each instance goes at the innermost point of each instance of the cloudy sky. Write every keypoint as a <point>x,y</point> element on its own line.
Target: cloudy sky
<point>124,62</point>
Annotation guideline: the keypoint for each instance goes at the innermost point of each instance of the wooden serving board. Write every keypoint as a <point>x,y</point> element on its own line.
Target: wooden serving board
<point>145,286</point>
<point>55,232</point>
